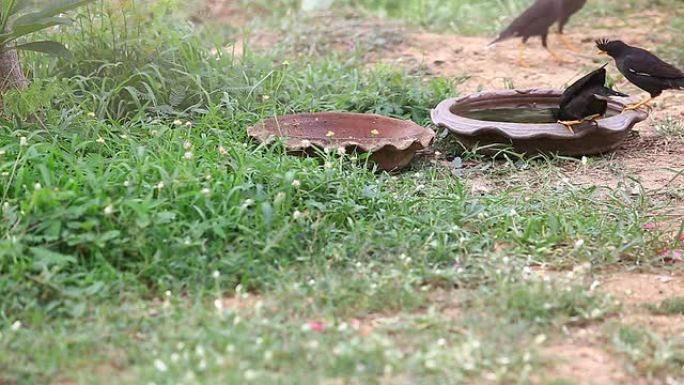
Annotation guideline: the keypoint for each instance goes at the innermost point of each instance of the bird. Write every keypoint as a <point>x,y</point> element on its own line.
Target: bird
<point>536,21</point>
<point>644,69</point>
<point>586,99</point>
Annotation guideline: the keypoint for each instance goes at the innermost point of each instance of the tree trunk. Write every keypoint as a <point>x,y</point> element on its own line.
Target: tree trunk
<point>11,76</point>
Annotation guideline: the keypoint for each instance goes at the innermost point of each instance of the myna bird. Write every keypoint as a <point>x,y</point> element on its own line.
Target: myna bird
<point>585,100</point>
<point>537,20</point>
<point>643,69</point>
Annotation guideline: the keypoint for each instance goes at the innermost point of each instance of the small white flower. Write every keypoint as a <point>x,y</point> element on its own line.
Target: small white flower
<point>177,122</point>
<point>216,274</point>
<point>247,203</point>
<point>441,342</point>
<point>109,210</point>
<point>296,183</point>
<point>223,151</point>
<point>175,357</point>
<point>37,187</point>
<point>23,141</point>
<point>268,355</point>
<point>127,184</point>
<point>341,151</point>
<point>160,185</point>
<point>188,124</point>
<point>154,132</point>
<point>251,374</point>
<point>579,243</point>
<point>218,304</point>
<point>420,187</point>
<point>100,140</point>
<point>206,191</point>
<point>2,152</point>
<point>585,160</point>
<point>280,197</point>
<point>265,97</point>
<point>91,114</point>
<point>187,145</point>
<point>438,154</point>
<point>16,325</point>
<point>168,293</point>
<point>330,134</point>
<point>123,136</point>
<point>188,155</point>
<point>5,173</point>
<point>160,365</point>
<point>297,215</point>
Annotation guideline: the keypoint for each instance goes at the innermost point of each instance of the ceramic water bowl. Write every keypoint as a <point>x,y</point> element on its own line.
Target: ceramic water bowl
<point>392,143</point>
<point>523,119</point>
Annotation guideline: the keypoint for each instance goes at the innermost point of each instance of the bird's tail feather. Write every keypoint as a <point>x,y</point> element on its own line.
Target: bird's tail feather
<point>616,93</point>
<point>677,84</point>
<point>606,92</point>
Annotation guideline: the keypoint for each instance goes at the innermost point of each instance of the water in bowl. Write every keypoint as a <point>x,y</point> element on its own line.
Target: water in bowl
<point>528,115</point>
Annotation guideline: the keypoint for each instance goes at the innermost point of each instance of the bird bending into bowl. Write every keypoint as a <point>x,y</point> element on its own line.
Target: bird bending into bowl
<point>536,21</point>
<point>644,69</point>
<point>585,100</point>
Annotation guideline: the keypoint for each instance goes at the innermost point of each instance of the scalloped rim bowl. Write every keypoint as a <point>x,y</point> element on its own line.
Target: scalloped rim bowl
<point>589,139</point>
<point>392,143</point>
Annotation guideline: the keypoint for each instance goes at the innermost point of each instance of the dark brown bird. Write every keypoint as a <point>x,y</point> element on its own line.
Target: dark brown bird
<point>644,69</point>
<point>536,21</point>
<point>585,100</point>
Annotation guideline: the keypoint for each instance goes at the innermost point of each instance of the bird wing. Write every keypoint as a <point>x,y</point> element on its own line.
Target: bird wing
<point>540,15</point>
<point>595,78</point>
<point>643,63</point>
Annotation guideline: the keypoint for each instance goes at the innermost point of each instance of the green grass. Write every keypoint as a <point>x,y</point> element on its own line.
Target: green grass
<point>650,353</point>
<point>132,200</point>
<point>669,306</point>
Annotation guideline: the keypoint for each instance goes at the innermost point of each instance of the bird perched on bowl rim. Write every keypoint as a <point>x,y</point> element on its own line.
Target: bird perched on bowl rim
<point>536,21</point>
<point>586,99</point>
<point>643,69</point>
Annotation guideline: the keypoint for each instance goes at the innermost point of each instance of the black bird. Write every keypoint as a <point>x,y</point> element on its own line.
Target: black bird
<point>643,69</point>
<point>536,21</point>
<point>586,99</point>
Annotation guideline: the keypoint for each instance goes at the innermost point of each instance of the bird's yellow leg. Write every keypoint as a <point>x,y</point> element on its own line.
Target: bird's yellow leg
<point>569,123</point>
<point>556,57</point>
<point>521,55</point>
<point>593,118</point>
<point>637,105</point>
<point>568,44</point>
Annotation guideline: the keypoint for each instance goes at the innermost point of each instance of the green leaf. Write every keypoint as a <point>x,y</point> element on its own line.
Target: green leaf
<point>49,47</point>
<point>53,9</point>
<point>27,29</point>
<point>45,22</point>
<point>47,258</point>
